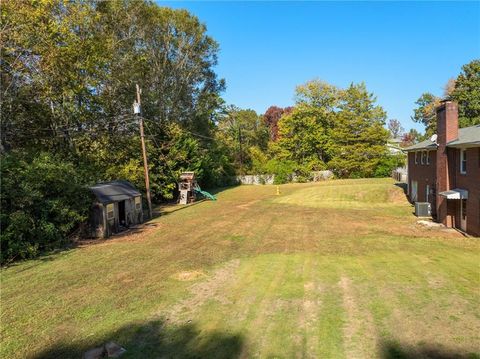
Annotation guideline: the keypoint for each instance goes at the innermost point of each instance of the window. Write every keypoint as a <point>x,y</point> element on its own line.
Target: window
<point>416,158</point>
<point>110,213</point>
<point>427,193</point>
<point>428,157</point>
<point>138,203</point>
<point>423,158</point>
<point>463,161</point>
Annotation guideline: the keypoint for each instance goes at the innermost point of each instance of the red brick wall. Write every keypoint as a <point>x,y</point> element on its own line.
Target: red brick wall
<point>471,182</point>
<point>424,175</point>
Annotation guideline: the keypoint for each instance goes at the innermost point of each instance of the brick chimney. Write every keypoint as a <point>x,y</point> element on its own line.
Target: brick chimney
<point>447,130</point>
<point>447,122</point>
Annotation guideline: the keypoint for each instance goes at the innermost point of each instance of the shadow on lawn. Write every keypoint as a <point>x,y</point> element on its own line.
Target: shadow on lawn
<point>157,339</point>
<point>394,350</point>
<point>403,186</point>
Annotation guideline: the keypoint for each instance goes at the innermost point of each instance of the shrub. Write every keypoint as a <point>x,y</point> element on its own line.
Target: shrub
<point>281,169</point>
<point>388,163</point>
<point>43,200</point>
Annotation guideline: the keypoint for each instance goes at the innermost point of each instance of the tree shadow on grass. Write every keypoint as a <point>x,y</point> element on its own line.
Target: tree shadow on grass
<point>395,350</point>
<point>157,339</point>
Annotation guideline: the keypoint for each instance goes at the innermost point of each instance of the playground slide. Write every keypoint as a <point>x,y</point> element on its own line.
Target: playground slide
<point>205,194</point>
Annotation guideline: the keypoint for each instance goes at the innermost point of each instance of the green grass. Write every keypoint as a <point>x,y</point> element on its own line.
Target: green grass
<point>336,269</point>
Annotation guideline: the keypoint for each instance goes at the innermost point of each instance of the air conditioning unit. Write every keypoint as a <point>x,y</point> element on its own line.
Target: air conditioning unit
<point>423,209</point>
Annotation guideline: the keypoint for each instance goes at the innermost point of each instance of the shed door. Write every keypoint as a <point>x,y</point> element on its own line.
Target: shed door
<point>121,213</point>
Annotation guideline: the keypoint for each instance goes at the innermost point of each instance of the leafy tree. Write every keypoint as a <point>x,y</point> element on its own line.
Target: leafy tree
<point>425,112</point>
<point>411,137</point>
<point>271,118</point>
<point>241,130</point>
<point>467,94</point>
<point>304,138</point>
<point>43,198</point>
<point>304,134</point>
<point>69,71</point>
<point>358,136</point>
<point>395,128</point>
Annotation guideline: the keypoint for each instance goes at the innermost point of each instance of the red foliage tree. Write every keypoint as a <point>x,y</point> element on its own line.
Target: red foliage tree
<point>271,118</point>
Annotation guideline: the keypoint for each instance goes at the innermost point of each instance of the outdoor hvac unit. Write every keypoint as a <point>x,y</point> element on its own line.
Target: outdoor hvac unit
<point>423,209</point>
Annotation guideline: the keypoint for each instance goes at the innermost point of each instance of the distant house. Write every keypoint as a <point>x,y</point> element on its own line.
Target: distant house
<point>393,146</point>
<point>117,206</point>
<point>446,172</point>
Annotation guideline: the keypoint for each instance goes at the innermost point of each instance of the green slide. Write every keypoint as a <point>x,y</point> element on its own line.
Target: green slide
<point>205,194</point>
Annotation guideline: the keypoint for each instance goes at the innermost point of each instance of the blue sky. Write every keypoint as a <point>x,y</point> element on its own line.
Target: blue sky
<point>399,49</point>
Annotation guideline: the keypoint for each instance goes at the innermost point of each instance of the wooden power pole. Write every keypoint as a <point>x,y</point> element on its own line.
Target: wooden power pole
<point>137,110</point>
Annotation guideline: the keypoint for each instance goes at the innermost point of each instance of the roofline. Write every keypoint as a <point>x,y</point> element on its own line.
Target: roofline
<point>429,147</point>
<point>464,144</point>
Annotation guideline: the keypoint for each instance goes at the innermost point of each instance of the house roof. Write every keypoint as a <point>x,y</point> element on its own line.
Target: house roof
<point>466,136</point>
<point>115,191</point>
<point>424,145</point>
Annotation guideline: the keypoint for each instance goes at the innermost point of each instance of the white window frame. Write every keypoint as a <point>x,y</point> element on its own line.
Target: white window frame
<point>428,157</point>
<point>110,210</point>
<point>416,157</point>
<point>422,158</point>
<point>463,161</point>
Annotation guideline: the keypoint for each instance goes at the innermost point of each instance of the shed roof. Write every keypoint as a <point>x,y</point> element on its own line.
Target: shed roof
<point>466,136</point>
<point>115,191</point>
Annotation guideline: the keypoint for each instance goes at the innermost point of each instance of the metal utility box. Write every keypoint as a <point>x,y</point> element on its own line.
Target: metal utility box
<point>423,209</point>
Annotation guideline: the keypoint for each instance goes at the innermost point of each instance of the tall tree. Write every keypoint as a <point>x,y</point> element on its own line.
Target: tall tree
<point>271,118</point>
<point>240,130</point>
<point>425,113</point>
<point>359,137</point>
<point>395,128</point>
<point>304,136</point>
<point>467,94</point>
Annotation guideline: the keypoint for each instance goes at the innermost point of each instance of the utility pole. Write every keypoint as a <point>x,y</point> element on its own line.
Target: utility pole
<point>240,145</point>
<point>137,110</point>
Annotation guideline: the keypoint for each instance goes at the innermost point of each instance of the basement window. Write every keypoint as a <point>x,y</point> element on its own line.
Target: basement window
<point>110,213</point>
<point>463,161</point>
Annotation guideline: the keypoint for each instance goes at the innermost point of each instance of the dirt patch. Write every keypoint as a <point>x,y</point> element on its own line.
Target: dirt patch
<point>135,233</point>
<point>211,288</point>
<point>248,204</point>
<point>359,330</point>
<point>188,275</point>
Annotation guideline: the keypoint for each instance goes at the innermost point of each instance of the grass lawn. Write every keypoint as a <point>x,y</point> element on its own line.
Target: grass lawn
<point>336,269</point>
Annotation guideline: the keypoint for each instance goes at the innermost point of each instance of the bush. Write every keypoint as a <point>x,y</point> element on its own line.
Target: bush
<point>43,200</point>
<point>388,163</point>
<point>281,169</point>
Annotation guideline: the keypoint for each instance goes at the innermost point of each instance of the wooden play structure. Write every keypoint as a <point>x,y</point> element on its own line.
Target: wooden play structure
<point>189,188</point>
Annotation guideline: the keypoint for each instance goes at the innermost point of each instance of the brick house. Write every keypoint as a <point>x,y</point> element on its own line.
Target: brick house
<point>446,172</point>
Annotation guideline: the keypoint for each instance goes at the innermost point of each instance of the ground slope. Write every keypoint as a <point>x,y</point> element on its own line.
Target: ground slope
<point>337,269</point>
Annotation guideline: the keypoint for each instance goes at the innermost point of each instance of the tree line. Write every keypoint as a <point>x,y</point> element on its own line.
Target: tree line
<point>69,71</point>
